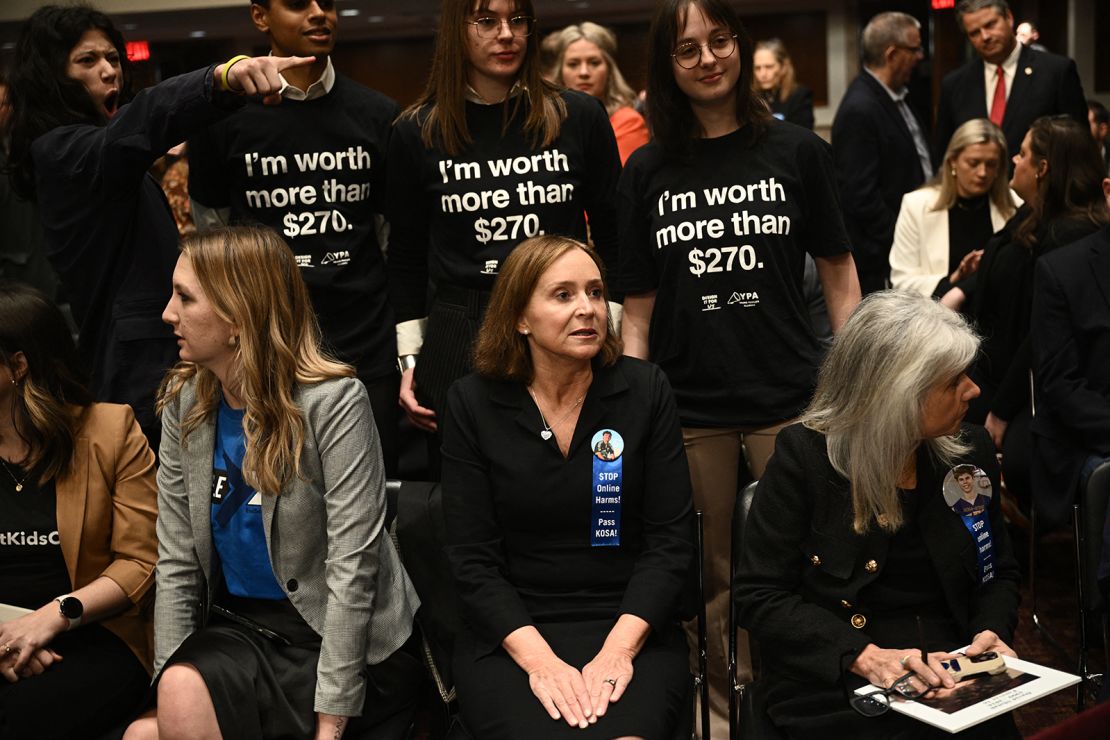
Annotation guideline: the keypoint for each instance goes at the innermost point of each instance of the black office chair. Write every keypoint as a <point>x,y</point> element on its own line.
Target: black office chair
<point>1090,519</point>
<point>747,715</point>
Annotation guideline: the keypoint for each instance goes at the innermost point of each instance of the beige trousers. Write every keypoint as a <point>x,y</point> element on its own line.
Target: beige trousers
<point>716,457</point>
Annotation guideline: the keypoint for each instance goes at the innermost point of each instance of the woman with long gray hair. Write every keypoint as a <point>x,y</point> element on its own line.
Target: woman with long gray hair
<point>858,562</point>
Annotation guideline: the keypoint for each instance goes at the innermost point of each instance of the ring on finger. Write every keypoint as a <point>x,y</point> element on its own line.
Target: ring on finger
<point>903,659</point>
<point>612,682</point>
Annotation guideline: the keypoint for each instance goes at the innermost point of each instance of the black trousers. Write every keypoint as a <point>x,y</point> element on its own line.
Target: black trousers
<point>383,393</point>
<point>98,684</point>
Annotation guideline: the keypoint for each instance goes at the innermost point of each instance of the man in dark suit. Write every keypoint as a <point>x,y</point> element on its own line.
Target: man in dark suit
<point>1009,83</point>
<point>879,143</point>
<point>1070,331</point>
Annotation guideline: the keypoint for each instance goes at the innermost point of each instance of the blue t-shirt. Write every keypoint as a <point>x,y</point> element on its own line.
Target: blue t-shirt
<point>237,530</point>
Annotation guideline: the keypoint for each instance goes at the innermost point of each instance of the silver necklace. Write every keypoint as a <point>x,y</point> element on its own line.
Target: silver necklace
<point>18,482</point>
<point>546,434</point>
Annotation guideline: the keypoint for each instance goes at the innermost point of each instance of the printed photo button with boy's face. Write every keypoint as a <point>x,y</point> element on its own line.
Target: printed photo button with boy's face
<point>967,490</point>
<point>607,444</point>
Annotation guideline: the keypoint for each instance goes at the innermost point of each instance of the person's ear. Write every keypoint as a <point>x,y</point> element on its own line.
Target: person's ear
<point>17,365</point>
<point>260,16</point>
<point>522,327</point>
<point>1106,190</point>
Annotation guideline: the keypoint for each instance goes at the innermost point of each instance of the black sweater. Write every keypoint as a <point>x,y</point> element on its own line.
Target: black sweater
<point>454,219</point>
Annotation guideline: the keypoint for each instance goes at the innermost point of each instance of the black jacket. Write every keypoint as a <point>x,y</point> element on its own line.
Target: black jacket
<point>1071,352</point>
<point>112,239</point>
<point>796,109</point>
<point>802,567</point>
<point>1044,85</point>
<point>876,164</point>
<point>518,514</point>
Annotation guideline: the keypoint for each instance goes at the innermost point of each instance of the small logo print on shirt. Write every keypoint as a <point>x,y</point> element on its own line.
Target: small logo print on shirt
<point>744,299</point>
<point>342,257</point>
<point>709,302</point>
<point>219,486</point>
<point>490,267</point>
<point>304,260</point>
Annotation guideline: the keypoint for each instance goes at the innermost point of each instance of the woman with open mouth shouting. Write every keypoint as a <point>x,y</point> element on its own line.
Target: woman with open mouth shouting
<point>83,155</point>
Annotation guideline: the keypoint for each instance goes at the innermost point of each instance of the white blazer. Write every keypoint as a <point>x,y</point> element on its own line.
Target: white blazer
<point>919,255</point>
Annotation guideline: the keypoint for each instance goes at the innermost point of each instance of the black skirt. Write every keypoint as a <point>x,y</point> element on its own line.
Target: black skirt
<point>261,687</point>
<point>497,703</point>
<point>264,687</point>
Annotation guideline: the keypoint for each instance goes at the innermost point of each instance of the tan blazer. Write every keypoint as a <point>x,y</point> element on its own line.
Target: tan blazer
<point>106,509</point>
<point>919,255</point>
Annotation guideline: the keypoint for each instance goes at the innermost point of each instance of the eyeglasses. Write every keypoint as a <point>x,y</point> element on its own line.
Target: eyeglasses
<point>877,702</point>
<point>689,54</point>
<point>489,27</point>
<point>915,50</point>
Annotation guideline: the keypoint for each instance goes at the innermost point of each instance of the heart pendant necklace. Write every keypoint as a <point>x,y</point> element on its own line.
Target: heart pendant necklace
<point>19,483</point>
<point>547,434</point>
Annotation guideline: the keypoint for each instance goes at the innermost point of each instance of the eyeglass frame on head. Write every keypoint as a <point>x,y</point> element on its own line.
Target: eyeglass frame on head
<point>733,44</point>
<point>529,26</point>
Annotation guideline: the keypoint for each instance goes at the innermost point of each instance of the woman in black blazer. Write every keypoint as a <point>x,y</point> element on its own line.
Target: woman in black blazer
<point>570,565</point>
<point>775,82</point>
<point>852,536</point>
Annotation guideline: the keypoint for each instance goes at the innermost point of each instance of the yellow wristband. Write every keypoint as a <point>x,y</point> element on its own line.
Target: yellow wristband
<point>227,67</point>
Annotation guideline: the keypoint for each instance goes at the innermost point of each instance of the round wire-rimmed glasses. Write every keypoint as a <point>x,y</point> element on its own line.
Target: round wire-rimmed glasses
<point>688,55</point>
<point>877,702</point>
<point>489,27</point>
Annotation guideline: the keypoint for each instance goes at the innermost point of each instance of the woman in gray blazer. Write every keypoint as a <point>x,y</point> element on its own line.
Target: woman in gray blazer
<point>279,592</point>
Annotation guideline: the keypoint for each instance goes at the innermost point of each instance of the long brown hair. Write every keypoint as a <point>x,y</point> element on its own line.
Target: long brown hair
<point>1071,187</point>
<point>54,382</point>
<point>441,109</point>
<point>252,280</point>
<point>673,122</point>
<point>501,351</point>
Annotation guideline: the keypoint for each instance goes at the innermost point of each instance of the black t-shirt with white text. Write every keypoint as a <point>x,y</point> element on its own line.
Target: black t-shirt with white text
<point>722,237</point>
<point>314,172</point>
<point>454,219</point>
<point>32,569</point>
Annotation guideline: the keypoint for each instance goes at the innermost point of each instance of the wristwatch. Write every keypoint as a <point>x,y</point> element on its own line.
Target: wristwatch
<point>71,608</point>
<point>404,362</point>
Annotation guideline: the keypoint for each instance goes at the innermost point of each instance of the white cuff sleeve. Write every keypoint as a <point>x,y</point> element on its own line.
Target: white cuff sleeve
<point>410,336</point>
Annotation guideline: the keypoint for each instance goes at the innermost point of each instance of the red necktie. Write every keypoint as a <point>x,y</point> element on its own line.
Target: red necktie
<point>998,105</point>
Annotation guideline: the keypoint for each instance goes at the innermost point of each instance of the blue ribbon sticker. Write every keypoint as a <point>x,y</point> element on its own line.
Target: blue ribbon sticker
<point>605,488</point>
<point>968,491</point>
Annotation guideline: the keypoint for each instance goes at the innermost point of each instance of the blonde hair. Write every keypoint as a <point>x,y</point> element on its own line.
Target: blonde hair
<point>252,281</point>
<point>975,131</point>
<point>787,80</point>
<point>903,344</point>
<point>501,351</point>
<point>618,93</point>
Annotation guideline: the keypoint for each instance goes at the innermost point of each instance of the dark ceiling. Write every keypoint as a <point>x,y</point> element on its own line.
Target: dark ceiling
<point>360,19</point>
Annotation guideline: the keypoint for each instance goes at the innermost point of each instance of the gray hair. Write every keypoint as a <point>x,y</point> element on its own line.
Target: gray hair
<point>974,6</point>
<point>975,131</point>
<point>883,31</point>
<point>618,93</point>
<point>871,392</point>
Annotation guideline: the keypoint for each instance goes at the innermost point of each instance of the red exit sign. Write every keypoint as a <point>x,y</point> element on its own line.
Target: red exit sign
<point>943,4</point>
<point>138,51</point>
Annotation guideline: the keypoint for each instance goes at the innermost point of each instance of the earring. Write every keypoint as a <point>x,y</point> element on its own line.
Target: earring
<point>232,340</point>
<point>953,172</point>
<point>526,332</point>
